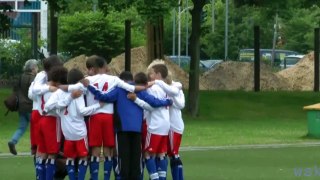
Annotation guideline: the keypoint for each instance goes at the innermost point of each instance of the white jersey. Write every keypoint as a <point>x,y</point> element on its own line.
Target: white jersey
<point>43,101</point>
<point>176,121</point>
<point>158,120</point>
<point>71,112</point>
<point>37,88</point>
<point>104,83</point>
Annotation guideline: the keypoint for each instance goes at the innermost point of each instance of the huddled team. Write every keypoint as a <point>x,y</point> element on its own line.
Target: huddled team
<point>127,122</point>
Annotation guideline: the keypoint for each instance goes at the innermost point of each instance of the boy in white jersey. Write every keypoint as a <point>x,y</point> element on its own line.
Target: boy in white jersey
<point>49,135</point>
<point>71,109</point>
<point>101,132</point>
<point>158,127</point>
<point>176,124</point>
<point>37,88</point>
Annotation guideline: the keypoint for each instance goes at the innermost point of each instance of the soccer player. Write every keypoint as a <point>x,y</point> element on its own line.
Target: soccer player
<point>37,88</point>
<point>49,135</point>
<point>101,132</point>
<point>176,124</point>
<point>130,123</point>
<point>71,109</point>
<point>158,125</point>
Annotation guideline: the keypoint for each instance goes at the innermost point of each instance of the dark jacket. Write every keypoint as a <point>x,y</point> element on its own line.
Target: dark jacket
<point>130,114</point>
<point>21,88</point>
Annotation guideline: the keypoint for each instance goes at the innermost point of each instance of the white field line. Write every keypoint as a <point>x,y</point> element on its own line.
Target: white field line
<point>207,148</point>
<point>254,146</point>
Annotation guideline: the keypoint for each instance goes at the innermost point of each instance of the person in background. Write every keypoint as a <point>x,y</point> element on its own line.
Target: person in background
<point>25,104</point>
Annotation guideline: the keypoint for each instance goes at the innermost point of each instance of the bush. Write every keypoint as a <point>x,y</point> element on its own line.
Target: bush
<point>90,33</point>
<point>13,55</point>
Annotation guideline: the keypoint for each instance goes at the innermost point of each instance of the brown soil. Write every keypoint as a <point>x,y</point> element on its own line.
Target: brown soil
<point>78,62</point>
<point>301,76</point>
<point>230,75</point>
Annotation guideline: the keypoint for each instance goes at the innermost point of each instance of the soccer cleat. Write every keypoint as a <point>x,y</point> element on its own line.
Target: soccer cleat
<point>12,148</point>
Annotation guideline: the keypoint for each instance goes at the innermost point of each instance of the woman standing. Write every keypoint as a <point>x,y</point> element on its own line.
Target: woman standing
<point>25,104</point>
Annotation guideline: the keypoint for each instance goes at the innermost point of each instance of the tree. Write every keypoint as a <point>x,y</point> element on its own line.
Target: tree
<point>193,97</point>
<point>153,12</point>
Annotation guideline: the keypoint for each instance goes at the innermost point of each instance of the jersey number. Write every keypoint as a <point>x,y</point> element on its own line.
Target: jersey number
<point>104,88</point>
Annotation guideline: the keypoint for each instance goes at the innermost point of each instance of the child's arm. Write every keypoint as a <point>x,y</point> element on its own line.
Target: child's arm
<point>51,103</point>
<point>170,90</point>
<point>153,101</point>
<point>144,105</point>
<point>105,97</point>
<point>66,101</point>
<point>86,111</point>
<point>129,87</point>
<point>179,100</point>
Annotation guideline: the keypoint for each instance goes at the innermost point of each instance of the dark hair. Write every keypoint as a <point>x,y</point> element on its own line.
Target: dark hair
<point>58,74</point>
<point>100,62</point>
<point>126,76</point>
<point>162,69</point>
<point>91,62</point>
<point>74,76</point>
<point>141,79</point>
<point>51,62</point>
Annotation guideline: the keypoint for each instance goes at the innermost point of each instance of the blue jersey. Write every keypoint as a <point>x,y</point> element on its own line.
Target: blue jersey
<point>129,113</point>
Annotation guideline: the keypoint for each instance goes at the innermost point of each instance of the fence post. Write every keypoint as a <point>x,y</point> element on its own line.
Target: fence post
<point>256,58</point>
<point>316,60</point>
<point>127,45</point>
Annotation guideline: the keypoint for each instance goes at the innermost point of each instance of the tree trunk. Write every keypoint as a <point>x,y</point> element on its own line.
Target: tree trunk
<point>155,40</point>
<point>193,104</point>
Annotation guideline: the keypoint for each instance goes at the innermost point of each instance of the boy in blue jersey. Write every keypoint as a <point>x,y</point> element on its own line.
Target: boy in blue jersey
<point>130,117</point>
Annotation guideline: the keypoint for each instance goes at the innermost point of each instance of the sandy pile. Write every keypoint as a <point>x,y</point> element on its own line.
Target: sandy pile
<point>138,64</point>
<point>78,62</point>
<point>301,76</point>
<point>232,75</point>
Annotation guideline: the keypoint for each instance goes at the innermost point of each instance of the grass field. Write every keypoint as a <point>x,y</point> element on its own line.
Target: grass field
<point>226,118</point>
<point>226,164</point>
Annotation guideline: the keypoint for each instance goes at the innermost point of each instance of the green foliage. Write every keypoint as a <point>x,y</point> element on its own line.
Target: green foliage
<point>153,10</point>
<point>4,19</point>
<point>13,55</point>
<point>90,33</point>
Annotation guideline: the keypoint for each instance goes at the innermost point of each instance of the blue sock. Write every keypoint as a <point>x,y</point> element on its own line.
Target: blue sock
<point>180,167</point>
<point>152,169</point>
<point>162,164</point>
<point>35,163</point>
<point>71,169</point>
<point>50,169</point>
<point>116,168</point>
<point>174,168</point>
<point>142,169</point>
<point>94,167</point>
<point>82,169</point>
<point>107,167</point>
<point>41,169</point>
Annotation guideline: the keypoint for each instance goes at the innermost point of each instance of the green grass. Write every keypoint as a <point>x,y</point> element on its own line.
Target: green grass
<point>226,118</point>
<point>233,164</point>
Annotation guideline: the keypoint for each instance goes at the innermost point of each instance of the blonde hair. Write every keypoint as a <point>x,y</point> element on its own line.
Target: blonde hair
<point>168,79</point>
<point>155,62</point>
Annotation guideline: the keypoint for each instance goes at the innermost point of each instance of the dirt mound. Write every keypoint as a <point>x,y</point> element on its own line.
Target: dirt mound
<point>138,64</point>
<point>78,62</point>
<point>301,76</point>
<point>232,75</point>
